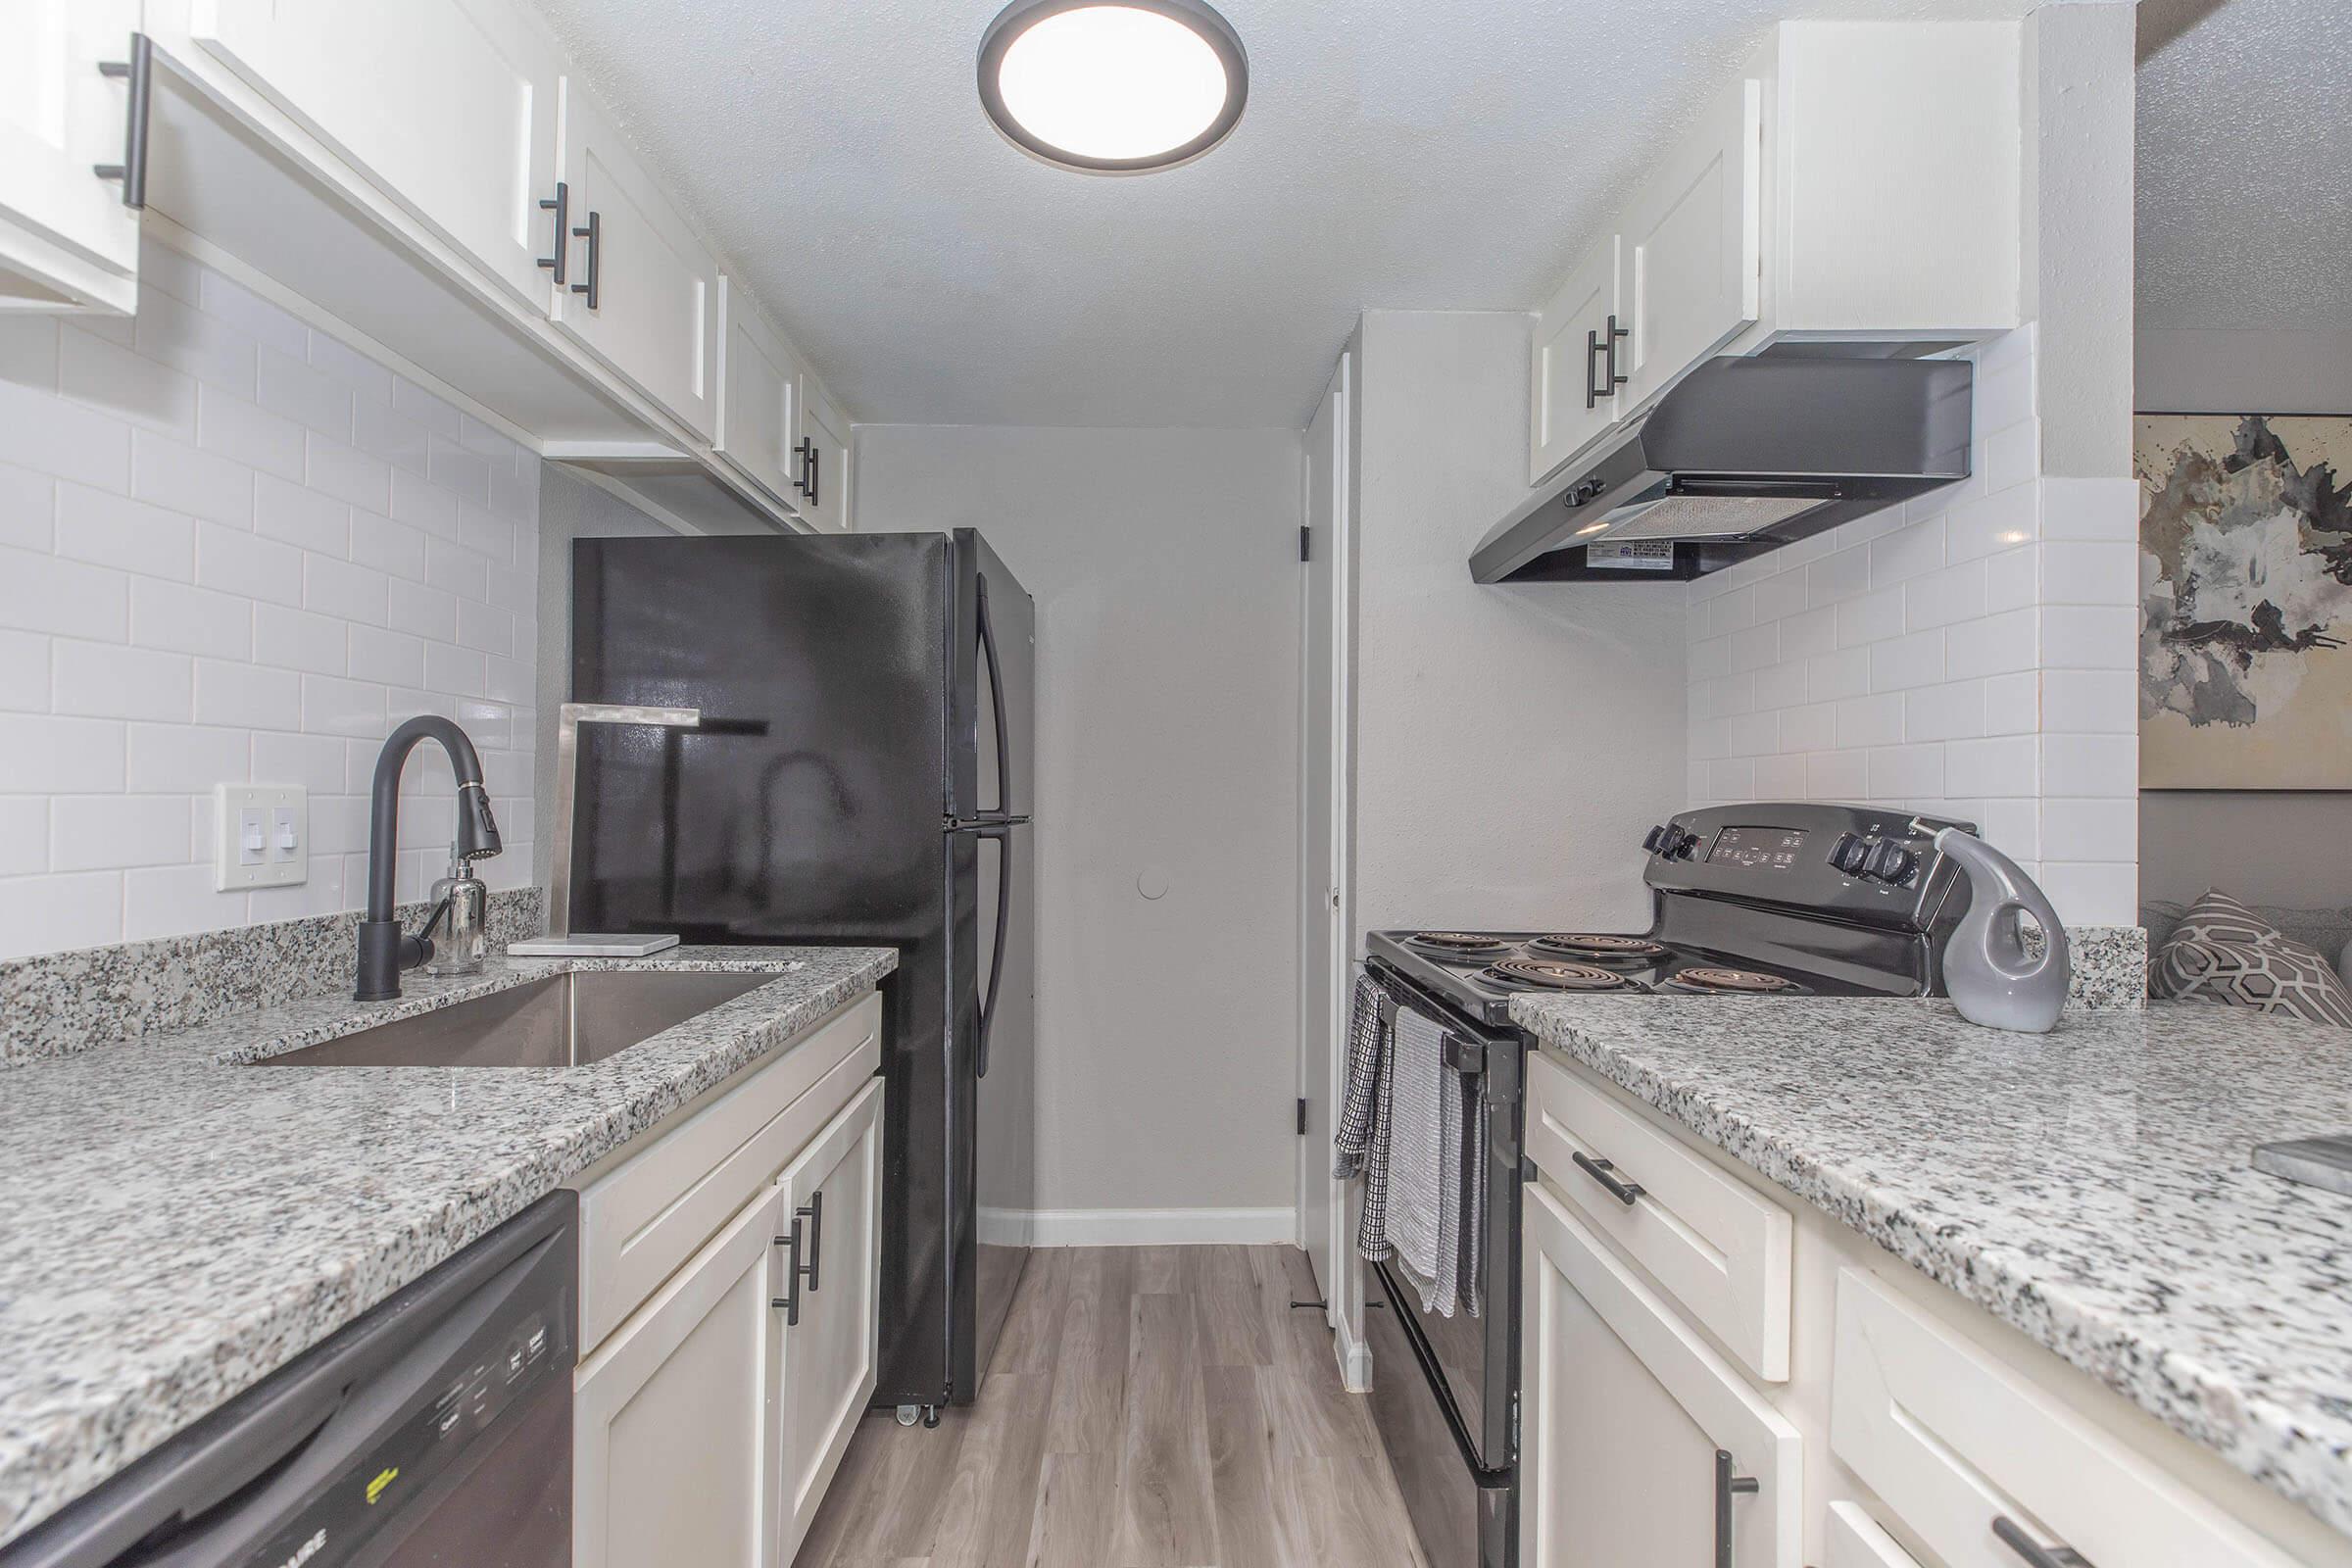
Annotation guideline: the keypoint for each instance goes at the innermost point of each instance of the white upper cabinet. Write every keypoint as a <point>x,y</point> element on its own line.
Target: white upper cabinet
<point>1859,181</point>
<point>1693,245</point>
<point>66,240</point>
<point>824,473</point>
<point>641,291</point>
<point>447,107</point>
<point>758,399</point>
<point>1572,391</point>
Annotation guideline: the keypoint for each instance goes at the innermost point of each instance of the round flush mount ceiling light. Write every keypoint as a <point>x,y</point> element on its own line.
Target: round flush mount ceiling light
<point>1113,89</point>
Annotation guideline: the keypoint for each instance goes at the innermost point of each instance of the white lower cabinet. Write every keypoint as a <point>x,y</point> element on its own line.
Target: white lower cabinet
<point>1639,1442</point>
<point>66,238</point>
<point>717,1397</point>
<point>829,1198</point>
<point>1852,1539</point>
<point>675,1415</point>
<point>1982,1467</point>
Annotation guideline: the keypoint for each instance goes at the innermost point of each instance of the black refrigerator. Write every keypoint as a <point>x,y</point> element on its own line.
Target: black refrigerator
<point>861,776</point>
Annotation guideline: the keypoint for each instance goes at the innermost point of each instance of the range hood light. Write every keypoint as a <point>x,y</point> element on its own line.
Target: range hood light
<point>1113,89</point>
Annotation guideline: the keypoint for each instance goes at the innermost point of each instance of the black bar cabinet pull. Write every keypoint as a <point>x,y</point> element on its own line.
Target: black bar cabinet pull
<point>1726,1487</point>
<point>1599,1170</point>
<point>815,1213</point>
<point>795,1271</point>
<point>594,234</point>
<point>1616,332</point>
<point>562,208</point>
<point>139,69</point>
<point>1593,394</point>
<point>806,451</point>
<point>815,474</point>
<point>2007,1533</point>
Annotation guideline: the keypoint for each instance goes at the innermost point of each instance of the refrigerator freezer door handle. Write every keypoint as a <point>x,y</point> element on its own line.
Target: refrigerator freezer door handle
<point>996,695</point>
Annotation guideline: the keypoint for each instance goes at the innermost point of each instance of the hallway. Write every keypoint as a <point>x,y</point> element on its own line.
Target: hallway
<point>1150,1407</point>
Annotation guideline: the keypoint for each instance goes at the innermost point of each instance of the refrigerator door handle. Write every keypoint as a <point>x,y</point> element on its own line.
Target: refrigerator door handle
<point>996,698</point>
<point>1002,834</point>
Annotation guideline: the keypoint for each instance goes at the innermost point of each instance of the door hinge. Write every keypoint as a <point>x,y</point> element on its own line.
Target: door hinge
<point>1305,535</point>
<point>1302,1118</point>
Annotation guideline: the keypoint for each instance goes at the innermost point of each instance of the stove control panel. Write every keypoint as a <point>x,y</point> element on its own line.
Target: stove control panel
<point>1861,862</point>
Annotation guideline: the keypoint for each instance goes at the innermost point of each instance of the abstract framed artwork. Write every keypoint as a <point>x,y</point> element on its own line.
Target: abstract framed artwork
<point>2245,539</point>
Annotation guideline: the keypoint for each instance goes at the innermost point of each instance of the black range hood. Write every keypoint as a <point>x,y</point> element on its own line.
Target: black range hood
<point>1739,457</point>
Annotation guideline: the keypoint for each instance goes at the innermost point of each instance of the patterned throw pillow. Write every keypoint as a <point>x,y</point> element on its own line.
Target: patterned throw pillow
<point>2224,951</point>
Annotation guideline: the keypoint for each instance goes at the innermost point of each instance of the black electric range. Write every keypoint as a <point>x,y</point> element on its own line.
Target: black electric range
<point>1784,899</point>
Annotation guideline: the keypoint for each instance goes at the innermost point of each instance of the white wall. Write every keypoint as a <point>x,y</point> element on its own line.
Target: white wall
<point>1513,741</point>
<point>234,550</point>
<point>2220,371</point>
<point>1165,568</point>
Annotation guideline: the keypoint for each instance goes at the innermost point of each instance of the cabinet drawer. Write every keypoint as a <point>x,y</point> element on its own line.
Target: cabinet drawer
<point>1719,1247</point>
<point>643,1219</point>
<point>1854,1540</point>
<point>1951,1440</point>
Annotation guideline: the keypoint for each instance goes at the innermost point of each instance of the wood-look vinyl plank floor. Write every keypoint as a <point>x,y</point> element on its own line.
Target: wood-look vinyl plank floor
<point>1152,1407</point>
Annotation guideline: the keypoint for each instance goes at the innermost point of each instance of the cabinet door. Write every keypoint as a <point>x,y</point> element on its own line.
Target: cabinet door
<point>446,105</point>
<point>642,293</point>
<point>1694,245</point>
<point>674,1420</point>
<point>824,461</point>
<point>66,238</point>
<point>1570,398</point>
<point>1627,1417</point>
<point>758,399</point>
<point>832,1194</point>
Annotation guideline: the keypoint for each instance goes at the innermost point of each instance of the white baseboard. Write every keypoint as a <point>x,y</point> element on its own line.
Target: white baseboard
<point>1354,1356</point>
<point>1137,1227</point>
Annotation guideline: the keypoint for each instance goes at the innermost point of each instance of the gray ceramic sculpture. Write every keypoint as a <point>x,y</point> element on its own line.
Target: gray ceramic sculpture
<point>1991,977</point>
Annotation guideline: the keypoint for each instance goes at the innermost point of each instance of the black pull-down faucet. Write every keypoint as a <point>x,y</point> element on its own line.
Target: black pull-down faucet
<point>385,950</point>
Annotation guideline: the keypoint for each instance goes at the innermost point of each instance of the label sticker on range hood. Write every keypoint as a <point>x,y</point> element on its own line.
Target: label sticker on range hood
<point>1631,555</point>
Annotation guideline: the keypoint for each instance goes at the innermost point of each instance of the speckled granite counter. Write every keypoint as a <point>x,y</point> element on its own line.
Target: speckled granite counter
<point>2090,1187</point>
<point>172,1226</point>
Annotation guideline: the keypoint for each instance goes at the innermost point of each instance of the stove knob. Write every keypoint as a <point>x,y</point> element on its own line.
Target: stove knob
<point>1653,839</point>
<point>1891,863</point>
<point>1684,844</point>
<point>1850,855</point>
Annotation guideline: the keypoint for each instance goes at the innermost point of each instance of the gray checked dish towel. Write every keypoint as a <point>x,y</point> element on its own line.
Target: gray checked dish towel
<point>1412,1131</point>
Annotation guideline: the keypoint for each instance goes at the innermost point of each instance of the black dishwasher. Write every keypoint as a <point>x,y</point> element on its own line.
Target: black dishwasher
<point>434,1430</point>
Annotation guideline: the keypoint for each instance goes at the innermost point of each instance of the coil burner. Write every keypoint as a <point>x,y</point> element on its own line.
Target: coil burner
<point>1592,947</point>
<point>1462,947</point>
<point>1551,974</point>
<point>1716,981</point>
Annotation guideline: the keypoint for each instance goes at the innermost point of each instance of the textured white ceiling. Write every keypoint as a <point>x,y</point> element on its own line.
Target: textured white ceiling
<point>2245,170</point>
<point>1415,154</point>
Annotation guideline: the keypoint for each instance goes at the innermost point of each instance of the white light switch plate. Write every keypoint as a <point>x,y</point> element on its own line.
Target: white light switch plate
<point>261,836</point>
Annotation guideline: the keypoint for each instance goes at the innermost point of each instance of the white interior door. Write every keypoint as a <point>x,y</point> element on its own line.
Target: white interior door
<point>447,106</point>
<point>59,118</point>
<point>1324,966</point>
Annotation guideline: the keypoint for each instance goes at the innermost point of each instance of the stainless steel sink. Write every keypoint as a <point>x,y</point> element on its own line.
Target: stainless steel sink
<point>565,1020</point>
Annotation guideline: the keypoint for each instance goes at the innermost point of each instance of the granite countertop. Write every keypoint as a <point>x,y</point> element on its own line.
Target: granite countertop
<point>2090,1187</point>
<point>174,1226</point>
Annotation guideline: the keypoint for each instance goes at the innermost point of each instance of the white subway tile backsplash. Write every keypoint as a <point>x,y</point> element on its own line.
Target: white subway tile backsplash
<point>348,707</point>
<point>2002,767</point>
<point>486,533</point>
<point>42,593</point>
<point>393,548</point>
<point>1837,578</point>
<point>2091,637</point>
<point>1908,552</point>
<point>1903,663</point>
<point>66,440</point>
<point>303,518</point>
<point>268,325</point>
<point>299,640</point>
<point>178,760</point>
<point>2012,578</point>
<point>1996,645</point>
<point>236,561</point>
<point>106,680</point>
<point>1844,673</point>
<point>2091,701</point>
<point>41,755</point>
<point>419,504</point>
<point>113,379</point>
<point>1945,597</point>
<point>457,671</point>
<point>425,408</point>
<point>2106,765</point>
<point>349,591</point>
<point>203,484</point>
<point>1867,721</point>
<point>1838,775</point>
<point>247,696</point>
<point>2089,572</point>
<point>429,612</point>
<point>248,435</point>
<point>2013,704</point>
<point>28,509</point>
<point>24,672</point>
<point>24,834</point>
<point>181,620</point>
<point>1870,617</point>
<point>349,369</point>
<point>50,913</point>
<point>102,832</point>
<point>176,333</point>
<point>314,761</point>
<point>1781,595</point>
<point>393,658</point>
<point>347,473</point>
<point>1952,710</point>
<point>456,570</point>
<point>113,530</point>
<point>1906,772</point>
<point>311,396</point>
